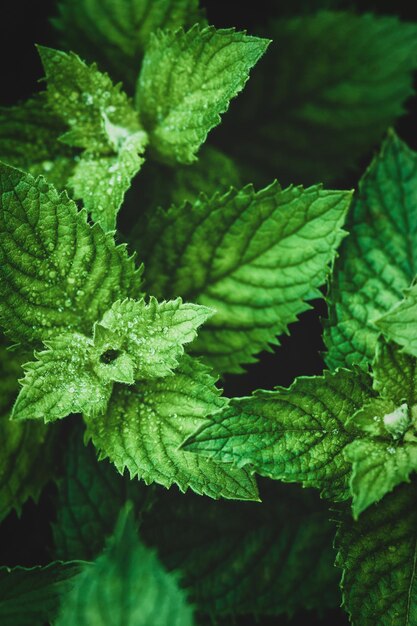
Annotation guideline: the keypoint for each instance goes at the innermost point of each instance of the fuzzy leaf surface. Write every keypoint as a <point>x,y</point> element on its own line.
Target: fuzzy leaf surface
<point>32,595</point>
<point>399,323</point>
<point>378,556</point>
<point>379,258</point>
<point>101,119</point>
<point>144,426</point>
<point>254,257</point>
<point>62,381</point>
<point>57,273</point>
<point>153,334</point>
<point>294,435</point>
<point>115,34</point>
<point>126,585</point>
<point>353,75</point>
<point>186,81</point>
<point>384,454</point>
<point>102,181</point>
<point>99,114</point>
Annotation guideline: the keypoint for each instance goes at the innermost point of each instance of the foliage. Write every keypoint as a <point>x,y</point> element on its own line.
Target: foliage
<point>167,501</point>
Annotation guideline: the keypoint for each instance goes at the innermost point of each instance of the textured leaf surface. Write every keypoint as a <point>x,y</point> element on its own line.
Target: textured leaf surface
<point>378,468</point>
<point>101,119</point>
<point>126,585</point>
<point>378,556</point>
<point>353,74</point>
<point>265,559</point>
<point>395,374</point>
<point>56,272</point>
<point>27,450</point>
<point>294,435</point>
<point>379,258</point>
<point>186,81</point>
<point>145,425</point>
<point>399,324</point>
<point>385,453</point>
<point>116,33</point>
<point>254,257</point>
<point>154,334</point>
<point>101,182</point>
<point>62,381</point>
<point>32,596</point>
<point>29,140</point>
<point>89,497</point>
<point>99,114</point>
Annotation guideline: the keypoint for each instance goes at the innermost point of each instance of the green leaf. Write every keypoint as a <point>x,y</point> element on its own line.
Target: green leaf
<point>27,450</point>
<point>100,115</point>
<point>378,467</point>
<point>186,81</point>
<point>102,181</point>
<point>254,257</point>
<point>378,260</point>
<point>386,452</point>
<point>399,324</point>
<point>62,381</point>
<point>327,90</point>
<point>103,121</point>
<point>57,273</point>
<point>90,495</point>
<point>395,374</point>
<point>126,585</point>
<point>145,425</point>
<point>378,554</point>
<point>29,140</point>
<point>265,559</point>
<point>294,435</point>
<point>154,334</point>
<point>32,595</point>
<point>116,33</point>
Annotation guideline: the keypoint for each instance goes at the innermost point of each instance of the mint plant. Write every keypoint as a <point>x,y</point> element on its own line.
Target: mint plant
<point>148,254</point>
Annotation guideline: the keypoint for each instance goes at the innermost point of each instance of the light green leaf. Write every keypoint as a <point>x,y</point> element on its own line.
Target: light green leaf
<point>102,181</point>
<point>57,273</point>
<point>265,559</point>
<point>395,374</point>
<point>100,115</point>
<point>126,585</point>
<point>62,381</point>
<point>32,595</point>
<point>154,334</point>
<point>116,33</point>
<point>27,450</point>
<point>378,554</point>
<point>90,495</point>
<point>186,81</point>
<point>294,435</point>
<point>386,452</point>
<point>399,324</point>
<point>254,257</point>
<point>145,425</point>
<point>378,467</point>
<point>379,258</point>
<point>29,140</point>
<point>329,87</point>
<point>102,120</point>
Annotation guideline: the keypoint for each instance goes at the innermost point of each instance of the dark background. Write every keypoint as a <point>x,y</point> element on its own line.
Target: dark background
<point>25,23</point>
